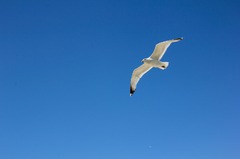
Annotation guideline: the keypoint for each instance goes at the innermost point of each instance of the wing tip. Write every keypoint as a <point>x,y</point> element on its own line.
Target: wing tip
<point>181,38</point>
<point>131,91</point>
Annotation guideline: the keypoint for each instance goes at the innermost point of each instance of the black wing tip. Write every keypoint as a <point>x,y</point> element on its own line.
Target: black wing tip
<point>131,91</point>
<point>181,38</point>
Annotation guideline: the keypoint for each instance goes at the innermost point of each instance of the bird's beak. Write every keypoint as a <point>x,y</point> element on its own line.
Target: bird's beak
<point>142,61</point>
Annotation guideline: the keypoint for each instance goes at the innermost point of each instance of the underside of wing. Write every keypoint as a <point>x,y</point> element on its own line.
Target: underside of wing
<point>136,75</point>
<point>161,48</point>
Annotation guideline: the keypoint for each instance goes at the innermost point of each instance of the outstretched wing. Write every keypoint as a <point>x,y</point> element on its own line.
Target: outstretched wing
<point>136,75</point>
<point>161,48</point>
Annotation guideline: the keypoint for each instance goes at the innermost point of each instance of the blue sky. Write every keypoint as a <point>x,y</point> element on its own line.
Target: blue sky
<point>65,69</point>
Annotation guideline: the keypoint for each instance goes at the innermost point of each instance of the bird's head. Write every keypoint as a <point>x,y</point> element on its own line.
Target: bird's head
<point>143,60</point>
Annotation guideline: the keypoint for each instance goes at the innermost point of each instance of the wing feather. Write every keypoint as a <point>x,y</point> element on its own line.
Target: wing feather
<point>136,75</point>
<point>161,48</point>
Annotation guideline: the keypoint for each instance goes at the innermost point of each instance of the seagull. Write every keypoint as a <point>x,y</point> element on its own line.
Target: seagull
<point>150,62</point>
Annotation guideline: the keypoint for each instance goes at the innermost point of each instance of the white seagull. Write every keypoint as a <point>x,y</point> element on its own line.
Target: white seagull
<point>150,62</point>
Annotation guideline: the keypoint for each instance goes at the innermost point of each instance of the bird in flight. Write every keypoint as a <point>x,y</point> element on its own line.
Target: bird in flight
<point>150,62</point>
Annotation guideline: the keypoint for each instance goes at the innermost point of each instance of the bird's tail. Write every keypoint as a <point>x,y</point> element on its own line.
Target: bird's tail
<point>164,65</point>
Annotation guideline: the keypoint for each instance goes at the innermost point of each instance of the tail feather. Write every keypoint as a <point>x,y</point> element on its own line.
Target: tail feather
<point>164,65</point>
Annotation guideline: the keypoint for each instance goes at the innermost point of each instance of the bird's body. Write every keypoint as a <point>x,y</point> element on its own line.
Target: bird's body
<point>154,63</point>
<point>150,62</point>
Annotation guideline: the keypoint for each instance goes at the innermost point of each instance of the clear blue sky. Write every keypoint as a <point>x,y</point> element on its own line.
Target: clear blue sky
<point>65,69</point>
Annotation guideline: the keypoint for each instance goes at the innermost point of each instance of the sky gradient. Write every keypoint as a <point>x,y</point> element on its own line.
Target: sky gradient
<point>65,69</point>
